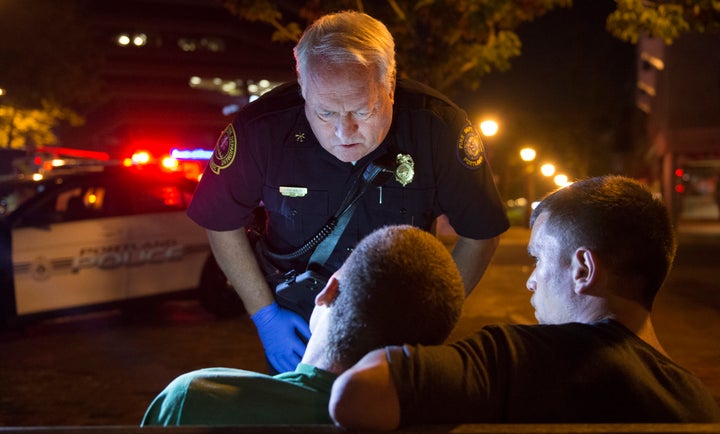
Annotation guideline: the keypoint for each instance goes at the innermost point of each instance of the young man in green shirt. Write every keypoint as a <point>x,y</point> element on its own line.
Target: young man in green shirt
<point>399,285</point>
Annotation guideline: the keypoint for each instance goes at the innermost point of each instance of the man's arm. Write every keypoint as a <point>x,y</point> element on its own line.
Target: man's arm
<point>364,397</point>
<point>472,258</point>
<point>283,332</point>
<point>236,258</point>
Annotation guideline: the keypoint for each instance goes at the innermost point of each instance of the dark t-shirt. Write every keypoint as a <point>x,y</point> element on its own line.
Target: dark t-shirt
<point>270,156</point>
<point>570,373</point>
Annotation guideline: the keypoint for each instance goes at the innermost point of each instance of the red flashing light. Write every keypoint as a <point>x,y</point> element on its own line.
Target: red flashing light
<point>679,173</point>
<point>140,157</point>
<point>170,163</point>
<point>680,188</point>
<point>78,153</point>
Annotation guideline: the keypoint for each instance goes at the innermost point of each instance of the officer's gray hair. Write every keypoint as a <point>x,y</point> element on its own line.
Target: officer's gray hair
<point>344,38</point>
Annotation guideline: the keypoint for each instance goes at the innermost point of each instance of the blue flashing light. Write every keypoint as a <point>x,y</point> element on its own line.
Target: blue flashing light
<point>191,154</point>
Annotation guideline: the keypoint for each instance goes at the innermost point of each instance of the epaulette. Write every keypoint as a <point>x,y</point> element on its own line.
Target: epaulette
<point>283,97</point>
<point>418,95</point>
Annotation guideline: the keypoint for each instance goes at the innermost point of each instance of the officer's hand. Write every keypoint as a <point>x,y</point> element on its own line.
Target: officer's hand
<point>282,332</point>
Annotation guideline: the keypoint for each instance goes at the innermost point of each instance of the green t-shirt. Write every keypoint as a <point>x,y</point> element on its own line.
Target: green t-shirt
<point>224,396</point>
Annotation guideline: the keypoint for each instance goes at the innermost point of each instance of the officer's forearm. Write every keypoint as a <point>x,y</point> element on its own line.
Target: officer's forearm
<point>472,258</point>
<point>235,257</point>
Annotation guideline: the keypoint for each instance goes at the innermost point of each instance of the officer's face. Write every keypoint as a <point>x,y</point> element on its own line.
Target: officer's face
<point>349,111</point>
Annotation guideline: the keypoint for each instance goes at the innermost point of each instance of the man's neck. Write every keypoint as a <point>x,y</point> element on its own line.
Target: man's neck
<point>643,328</point>
<point>637,319</point>
<point>316,353</point>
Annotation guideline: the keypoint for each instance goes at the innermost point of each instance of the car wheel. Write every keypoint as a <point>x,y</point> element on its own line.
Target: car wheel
<point>217,296</point>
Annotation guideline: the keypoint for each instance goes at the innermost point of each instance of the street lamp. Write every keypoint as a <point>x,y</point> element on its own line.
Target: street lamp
<point>528,155</point>
<point>561,180</point>
<point>489,127</point>
<point>547,169</point>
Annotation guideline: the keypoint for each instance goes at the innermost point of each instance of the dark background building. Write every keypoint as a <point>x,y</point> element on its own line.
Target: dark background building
<point>679,91</point>
<point>174,71</point>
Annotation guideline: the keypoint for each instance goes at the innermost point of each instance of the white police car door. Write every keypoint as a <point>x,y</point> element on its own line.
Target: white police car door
<point>68,252</point>
<point>170,248</point>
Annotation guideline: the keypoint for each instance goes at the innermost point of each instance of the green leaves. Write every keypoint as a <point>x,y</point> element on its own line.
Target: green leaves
<point>666,19</point>
<point>440,42</point>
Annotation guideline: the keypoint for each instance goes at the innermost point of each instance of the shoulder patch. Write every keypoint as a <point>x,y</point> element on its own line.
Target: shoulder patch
<point>225,150</point>
<point>470,148</point>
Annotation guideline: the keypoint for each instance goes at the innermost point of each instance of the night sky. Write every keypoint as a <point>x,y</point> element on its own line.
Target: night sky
<point>570,94</point>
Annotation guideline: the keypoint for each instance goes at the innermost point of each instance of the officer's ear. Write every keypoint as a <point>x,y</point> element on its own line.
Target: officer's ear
<point>393,81</point>
<point>302,87</point>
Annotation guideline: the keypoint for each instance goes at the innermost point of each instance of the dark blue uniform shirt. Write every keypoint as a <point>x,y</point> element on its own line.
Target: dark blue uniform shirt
<point>270,145</point>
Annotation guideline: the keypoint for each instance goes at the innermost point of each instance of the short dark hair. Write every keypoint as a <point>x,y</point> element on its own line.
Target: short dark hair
<point>399,286</point>
<point>620,220</point>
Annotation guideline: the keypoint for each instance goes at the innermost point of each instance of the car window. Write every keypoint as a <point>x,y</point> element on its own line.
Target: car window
<point>102,199</point>
<point>160,198</point>
<point>45,210</point>
<point>93,202</point>
<point>13,196</point>
<point>79,203</point>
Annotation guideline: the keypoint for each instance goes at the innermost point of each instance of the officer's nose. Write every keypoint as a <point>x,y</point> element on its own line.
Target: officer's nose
<point>346,127</point>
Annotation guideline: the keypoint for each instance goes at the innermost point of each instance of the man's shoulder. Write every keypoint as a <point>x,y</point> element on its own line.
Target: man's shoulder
<point>285,98</point>
<point>233,380</point>
<point>548,333</point>
<point>411,94</point>
<point>225,374</point>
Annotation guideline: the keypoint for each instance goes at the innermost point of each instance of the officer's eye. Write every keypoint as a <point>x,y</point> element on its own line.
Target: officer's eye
<point>363,115</point>
<point>325,115</point>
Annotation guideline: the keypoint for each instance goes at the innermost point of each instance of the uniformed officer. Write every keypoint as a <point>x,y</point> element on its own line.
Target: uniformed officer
<point>299,149</point>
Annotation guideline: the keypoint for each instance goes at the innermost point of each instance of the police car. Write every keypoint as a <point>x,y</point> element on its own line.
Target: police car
<point>96,238</point>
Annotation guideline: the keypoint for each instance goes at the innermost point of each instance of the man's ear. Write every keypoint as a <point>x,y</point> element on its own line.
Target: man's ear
<point>329,292</point>
<point>585,270</point>
<point>392,87</point>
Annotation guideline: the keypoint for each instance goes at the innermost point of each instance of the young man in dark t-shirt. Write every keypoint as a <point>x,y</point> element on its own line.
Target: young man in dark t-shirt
<point>603,248</point>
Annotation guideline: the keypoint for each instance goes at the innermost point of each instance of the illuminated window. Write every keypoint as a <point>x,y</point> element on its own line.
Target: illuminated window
<point>140,39</point>
<point>123,40</point>
<point>132,39</point>
<point>655,62</point>
<point>213,45</point>
<point>234,87</point>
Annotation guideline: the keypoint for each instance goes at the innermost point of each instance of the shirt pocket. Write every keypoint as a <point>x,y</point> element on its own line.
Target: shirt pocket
<point>389,205</point>
<point>295,219</point>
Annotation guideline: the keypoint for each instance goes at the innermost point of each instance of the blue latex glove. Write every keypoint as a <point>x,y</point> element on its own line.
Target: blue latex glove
<point>282,332</point>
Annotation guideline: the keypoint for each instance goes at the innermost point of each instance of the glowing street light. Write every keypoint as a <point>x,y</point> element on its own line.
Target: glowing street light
<point>547,169</point>
<point>561,180</point>
<point>489,127</point>
<point>528,154</point>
